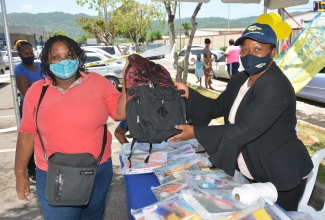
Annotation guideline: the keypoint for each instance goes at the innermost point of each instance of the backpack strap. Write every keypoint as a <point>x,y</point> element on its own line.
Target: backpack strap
<point>147,159</point>
<point>129,157</point>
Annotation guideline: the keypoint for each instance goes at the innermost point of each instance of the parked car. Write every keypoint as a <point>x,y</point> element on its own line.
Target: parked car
<point>37,51</point>
<point>99,59</point>
<point>113,50</point>
<point>220,68</point>
<point>109,56</point>
<point>108,68</point>
<point>315,88</point>
<point>15,58</point>
<point>198,50</point>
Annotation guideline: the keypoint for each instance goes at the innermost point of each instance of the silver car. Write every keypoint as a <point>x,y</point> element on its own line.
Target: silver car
<point>220,68</point>
<point>15,58</point>
<point>195,51</point>
<point>315,88</point>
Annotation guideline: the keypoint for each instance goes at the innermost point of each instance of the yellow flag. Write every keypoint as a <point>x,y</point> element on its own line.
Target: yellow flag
<point>306,55</point>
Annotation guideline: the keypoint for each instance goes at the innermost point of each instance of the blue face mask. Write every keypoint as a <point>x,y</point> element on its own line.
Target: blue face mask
<point>254,64</point>
<point>65,69</point>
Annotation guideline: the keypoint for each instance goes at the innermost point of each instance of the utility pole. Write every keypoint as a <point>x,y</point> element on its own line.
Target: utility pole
<point>180,26</point>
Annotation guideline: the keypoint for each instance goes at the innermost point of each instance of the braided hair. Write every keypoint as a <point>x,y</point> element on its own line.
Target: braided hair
<point>73,47</point>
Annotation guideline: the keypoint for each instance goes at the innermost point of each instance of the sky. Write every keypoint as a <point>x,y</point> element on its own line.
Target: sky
<point>215,8</point>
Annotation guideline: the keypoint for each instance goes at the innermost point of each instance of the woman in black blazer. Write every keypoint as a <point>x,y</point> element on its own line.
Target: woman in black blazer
<point>259,109</point>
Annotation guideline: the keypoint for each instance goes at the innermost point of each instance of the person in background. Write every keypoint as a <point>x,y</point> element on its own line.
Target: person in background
<point>232,58</point>
<point>198,69</point>
<point>26,73</point>
<point>259,110</point>
<point>120,131</point>
<point>207,68</point>
<point>285,46</point>
<point>71,119</point>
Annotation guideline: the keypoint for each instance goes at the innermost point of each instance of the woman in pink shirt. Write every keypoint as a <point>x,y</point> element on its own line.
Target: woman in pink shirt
<point>71,119</point>
<point>232,58</point>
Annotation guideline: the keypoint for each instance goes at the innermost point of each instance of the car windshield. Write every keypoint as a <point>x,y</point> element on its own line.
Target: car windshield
<point>196,52</point>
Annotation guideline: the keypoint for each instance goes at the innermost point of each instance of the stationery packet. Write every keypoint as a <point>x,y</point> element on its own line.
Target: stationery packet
<point>213,180</point>
<point>157,159</point>
<point>211,207</point>
<point>169,189</point>
<point>170,172</point>
<point>170,209</point>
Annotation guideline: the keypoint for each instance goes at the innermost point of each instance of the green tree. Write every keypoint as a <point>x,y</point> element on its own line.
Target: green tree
<point>82,40</point>
<point>96,27</point>
<point>57,32</point>
<point>135,19</point>
<point>190,41</point>
<point>186,27</point>
<point>170,8</point>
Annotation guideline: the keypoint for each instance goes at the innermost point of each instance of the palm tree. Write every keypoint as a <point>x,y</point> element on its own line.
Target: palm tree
<point>187,27</point>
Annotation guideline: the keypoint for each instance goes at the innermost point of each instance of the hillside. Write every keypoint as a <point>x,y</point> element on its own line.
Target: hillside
<point>48,21</point>
<point>67,22</point>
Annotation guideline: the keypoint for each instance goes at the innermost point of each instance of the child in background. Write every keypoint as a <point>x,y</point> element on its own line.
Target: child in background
<point>198,69</point>
<point>207,67</point>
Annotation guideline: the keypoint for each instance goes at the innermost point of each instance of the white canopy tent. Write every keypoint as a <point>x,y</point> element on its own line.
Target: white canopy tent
<point>271,4</point>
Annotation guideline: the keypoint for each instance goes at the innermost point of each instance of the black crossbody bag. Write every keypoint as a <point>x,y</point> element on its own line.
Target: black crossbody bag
<point>70,177</point>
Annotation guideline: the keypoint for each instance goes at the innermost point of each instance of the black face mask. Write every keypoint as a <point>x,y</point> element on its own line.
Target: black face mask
<point>27,60</point>
<point>254,64</point>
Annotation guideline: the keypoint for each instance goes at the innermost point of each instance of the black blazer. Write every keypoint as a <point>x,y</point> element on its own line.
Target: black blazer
<point>264,129</point>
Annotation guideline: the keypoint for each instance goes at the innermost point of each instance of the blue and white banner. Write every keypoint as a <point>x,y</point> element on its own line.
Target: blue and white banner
<point>306,55</point>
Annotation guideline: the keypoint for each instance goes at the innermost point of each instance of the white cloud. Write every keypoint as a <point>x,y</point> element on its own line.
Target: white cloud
<point>27,7</point>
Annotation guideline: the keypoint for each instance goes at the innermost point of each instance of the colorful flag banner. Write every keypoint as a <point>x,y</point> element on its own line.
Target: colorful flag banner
<point>305,57</point>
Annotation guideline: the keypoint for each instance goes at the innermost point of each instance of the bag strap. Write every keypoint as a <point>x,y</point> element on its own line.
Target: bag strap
<point>129,157</point>
<point>40,137</point>
<point>38,132</point>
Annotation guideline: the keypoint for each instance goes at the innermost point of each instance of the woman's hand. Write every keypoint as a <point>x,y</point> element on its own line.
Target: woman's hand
<point>22,187</point>
<point>182,86</point>
<point>187,133</point>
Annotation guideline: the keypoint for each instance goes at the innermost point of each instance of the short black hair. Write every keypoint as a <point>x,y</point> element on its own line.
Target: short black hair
<point>71,44</point>
<point>207,41</point>
<point>231,41</point>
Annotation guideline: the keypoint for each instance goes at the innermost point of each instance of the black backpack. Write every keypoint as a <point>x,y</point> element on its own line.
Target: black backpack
<point>154,105</point>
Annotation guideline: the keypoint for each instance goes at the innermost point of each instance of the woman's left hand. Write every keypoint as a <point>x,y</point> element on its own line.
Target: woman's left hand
<point>187,133</point>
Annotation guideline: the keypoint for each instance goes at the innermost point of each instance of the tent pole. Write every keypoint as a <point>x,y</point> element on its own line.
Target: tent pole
<point>12,76</point>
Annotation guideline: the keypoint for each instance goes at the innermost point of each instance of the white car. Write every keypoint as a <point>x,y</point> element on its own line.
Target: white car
<point>15,58</point>
<point>99,59</point>
<point>37,51</point>
<point>220,68</point>
<point>195,51</point>
<point>108,68</point>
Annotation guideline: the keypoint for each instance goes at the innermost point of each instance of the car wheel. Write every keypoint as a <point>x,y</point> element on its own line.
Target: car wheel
<point>114,81</point>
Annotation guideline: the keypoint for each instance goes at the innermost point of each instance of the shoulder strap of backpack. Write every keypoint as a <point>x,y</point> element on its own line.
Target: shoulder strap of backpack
<point>131,148</point>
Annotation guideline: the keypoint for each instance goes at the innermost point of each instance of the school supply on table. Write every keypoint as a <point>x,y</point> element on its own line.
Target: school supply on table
<point>154,106</point>
<point>169,189</point>
<point>171,172</point>
<point>212,181</point>
<point>170,209</point>
<point>137,166</point>
<point>208,206</point>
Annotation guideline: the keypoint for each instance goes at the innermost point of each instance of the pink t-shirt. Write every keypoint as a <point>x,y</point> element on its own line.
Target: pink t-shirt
<point>233,54</point>
<point>71,122</point>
